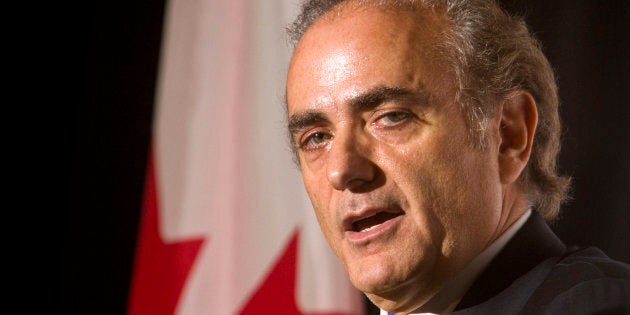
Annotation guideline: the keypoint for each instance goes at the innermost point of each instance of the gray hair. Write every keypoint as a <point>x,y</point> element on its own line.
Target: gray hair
<point>491,54</point>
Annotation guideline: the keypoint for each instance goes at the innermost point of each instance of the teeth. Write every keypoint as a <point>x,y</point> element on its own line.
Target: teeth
<point>369,228</point>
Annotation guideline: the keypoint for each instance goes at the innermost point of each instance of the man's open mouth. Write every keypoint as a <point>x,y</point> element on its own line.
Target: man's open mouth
<point>369,223</point>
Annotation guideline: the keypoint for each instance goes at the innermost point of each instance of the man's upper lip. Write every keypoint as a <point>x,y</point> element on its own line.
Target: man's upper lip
<point>351,217</point>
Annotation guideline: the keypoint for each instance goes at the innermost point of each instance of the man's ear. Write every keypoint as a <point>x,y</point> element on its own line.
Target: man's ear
<point>516,130</point>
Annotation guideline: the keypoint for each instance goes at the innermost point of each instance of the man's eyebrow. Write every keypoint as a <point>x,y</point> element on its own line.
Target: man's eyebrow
<point>364,101</point>
<point>301,120</point>
<point>380,94</point>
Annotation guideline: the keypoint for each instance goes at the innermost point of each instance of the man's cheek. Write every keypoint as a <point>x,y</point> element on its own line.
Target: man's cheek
<point>325,220</point>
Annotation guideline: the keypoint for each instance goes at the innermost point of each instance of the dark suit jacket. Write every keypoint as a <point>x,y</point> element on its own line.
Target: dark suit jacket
<point>536,274</point>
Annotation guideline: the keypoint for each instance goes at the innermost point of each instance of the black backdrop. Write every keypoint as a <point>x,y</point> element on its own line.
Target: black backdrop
<point>586,41</point>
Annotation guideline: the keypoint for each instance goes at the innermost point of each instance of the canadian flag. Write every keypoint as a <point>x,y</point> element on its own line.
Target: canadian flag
<point>226,225</point>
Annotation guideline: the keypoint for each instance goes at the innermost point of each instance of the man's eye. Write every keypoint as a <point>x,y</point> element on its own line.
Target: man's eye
<point>392,118</point>
<point>314,140</point>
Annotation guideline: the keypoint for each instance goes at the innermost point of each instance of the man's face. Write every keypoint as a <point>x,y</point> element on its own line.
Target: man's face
<point>402,196</point>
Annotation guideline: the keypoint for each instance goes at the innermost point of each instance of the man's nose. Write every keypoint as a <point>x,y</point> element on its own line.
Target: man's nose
<point>349,165</point>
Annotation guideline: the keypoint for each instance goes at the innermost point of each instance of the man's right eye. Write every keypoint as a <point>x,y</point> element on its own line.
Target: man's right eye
<point>314,140</point>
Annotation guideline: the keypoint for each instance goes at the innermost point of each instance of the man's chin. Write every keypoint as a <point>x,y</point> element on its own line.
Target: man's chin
<point>373,279</point>
<point>399,299</point>
<point>391,302</point>
<point>387,287</point>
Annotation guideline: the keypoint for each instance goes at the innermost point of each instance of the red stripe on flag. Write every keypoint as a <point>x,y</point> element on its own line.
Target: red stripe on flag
<point>276,295</point>
<point>160,269</point>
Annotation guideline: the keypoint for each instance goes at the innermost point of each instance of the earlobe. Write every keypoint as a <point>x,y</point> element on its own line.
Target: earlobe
<point>517,126</point>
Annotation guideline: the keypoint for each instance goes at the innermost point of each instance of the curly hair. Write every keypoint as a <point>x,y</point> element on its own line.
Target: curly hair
<point>491,54</point>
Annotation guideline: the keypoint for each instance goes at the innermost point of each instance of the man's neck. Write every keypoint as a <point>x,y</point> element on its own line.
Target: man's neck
<point>445,301</point>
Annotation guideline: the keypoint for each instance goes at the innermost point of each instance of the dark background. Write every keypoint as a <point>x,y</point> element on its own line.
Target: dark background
<point>586,41</point>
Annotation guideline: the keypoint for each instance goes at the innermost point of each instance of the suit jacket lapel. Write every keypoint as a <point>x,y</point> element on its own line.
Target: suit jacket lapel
<point>530,246</point>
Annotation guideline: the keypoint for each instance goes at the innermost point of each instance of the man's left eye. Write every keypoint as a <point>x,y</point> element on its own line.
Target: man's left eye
<point>392,118</point>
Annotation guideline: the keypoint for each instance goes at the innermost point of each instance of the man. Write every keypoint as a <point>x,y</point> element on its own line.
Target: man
<point>427,134</point>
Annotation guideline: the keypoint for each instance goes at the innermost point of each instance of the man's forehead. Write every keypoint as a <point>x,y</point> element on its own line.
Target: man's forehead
<point>415,32</point>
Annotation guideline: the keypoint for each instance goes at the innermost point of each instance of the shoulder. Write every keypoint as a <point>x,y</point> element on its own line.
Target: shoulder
<point>585,281</point>
<point>590,263</point>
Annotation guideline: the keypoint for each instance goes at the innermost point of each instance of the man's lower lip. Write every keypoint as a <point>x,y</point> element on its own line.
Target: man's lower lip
<point>374,232</point>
